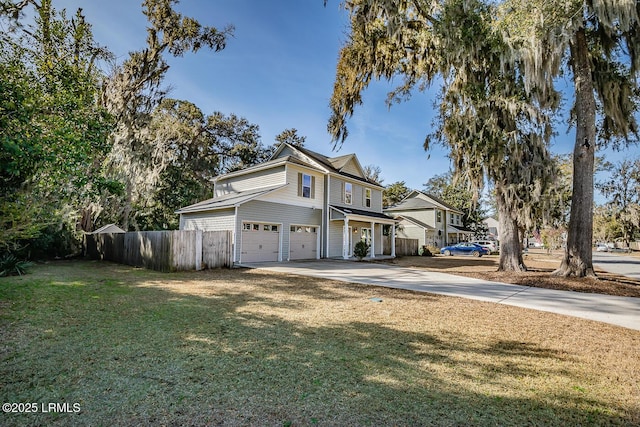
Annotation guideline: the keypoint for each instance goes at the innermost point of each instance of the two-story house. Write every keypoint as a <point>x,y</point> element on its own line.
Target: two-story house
<point>430,220</point>
<point>297,205</point>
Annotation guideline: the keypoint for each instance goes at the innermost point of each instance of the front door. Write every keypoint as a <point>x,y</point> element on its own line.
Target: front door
<point>366,236</point>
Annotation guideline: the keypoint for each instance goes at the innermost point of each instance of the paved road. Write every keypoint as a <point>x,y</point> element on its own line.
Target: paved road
<point>618,264</point>
<point>621,311</point>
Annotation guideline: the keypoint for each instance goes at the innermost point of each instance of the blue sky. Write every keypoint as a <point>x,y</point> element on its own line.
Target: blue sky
<point>277,71</point>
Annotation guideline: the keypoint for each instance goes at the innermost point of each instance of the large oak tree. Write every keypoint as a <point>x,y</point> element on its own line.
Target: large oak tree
<point>492,127</point>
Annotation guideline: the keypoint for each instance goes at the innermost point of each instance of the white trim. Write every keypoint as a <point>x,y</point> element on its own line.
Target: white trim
<point>235,237</point>
<point>280,231</point>
<point>325,208</point>
<point>359,181</point>
<point>318,238</point>
<point>350,202</point>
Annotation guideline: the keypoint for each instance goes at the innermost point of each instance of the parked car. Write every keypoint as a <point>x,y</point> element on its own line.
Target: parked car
<point>465,248</point>
<point>492,245</point>
<point>601,247</point>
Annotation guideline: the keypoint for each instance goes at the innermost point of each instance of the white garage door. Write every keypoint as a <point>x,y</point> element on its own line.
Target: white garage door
<point>303,242</point>
<point>260,242</point>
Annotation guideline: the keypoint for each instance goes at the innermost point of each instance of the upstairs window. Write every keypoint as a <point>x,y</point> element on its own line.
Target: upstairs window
<point>439,216</point>
<point>367,197</point>
<point>348,193</point>
<point>306,184</point>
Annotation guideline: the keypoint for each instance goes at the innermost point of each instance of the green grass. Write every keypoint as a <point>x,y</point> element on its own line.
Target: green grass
<point>135,347</point>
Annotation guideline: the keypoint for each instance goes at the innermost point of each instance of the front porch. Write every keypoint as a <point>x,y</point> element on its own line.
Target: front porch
<point>349,226</point>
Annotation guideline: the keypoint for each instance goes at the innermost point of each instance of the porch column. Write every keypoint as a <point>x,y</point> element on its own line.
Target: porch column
<point>373,233</point>
<point>393,240</point>
<point>345,239</point>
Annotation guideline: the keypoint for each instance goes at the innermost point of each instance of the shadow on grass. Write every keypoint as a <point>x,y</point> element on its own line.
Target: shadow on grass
<point>134,349</point>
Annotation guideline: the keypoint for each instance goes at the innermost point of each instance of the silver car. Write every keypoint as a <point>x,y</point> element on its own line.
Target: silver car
<point>492,245</point>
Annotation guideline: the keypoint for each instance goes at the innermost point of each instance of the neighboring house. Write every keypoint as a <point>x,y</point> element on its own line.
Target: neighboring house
<point>298,205</point>
<point>493,228</point>
<point>109,228</point>
<point>430,220</point>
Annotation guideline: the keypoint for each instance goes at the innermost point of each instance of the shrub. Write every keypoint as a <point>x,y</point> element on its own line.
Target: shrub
<point>12,266</point>
<point>428,250</point>
<point>361,250</point>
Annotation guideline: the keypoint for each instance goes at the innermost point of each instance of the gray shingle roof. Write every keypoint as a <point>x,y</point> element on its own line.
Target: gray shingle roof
<point>229,200</point>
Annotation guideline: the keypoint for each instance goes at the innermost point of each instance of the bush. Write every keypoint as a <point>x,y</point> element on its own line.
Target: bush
<point>428,250</point>
<point>361,250</point>
<point>12,266</point>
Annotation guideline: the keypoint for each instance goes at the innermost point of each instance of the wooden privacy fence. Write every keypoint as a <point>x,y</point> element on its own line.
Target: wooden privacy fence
<point>404,247</point>
<point>163,250</point>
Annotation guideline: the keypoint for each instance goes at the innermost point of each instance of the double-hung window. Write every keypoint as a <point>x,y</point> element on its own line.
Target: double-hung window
<point>348,193</point>
<point>367,197</point>
<point>305,186</point>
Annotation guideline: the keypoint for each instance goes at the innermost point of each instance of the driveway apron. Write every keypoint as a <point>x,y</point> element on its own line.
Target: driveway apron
<point>621,311</point>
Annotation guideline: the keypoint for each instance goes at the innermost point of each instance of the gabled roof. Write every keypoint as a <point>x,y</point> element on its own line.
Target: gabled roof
<point>413,202</point>
<point>458,229</point>
<point>359,212</point>
<point>333,165</point>
<point>416,222</point>
<point>109,228</point>
<point>266,165</point>
<point>229,200</point>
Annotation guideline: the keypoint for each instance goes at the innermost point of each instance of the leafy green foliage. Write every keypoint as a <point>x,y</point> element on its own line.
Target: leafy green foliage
<point>394,193</point>
<point>458,194</point>
<point>53,135</point>
<point>192,149</point>
<point>622,191</point>
<point>361,249</point>
<point>10,265</point>
<point>291,137</point>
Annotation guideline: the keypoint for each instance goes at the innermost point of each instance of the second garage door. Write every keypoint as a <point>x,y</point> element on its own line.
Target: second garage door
<point>260,242</point>
<point>303,242</point>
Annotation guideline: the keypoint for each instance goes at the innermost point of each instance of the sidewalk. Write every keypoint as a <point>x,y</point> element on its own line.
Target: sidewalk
<point>621,311</point>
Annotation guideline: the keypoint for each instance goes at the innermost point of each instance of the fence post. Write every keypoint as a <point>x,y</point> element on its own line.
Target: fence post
<point>198,250</point>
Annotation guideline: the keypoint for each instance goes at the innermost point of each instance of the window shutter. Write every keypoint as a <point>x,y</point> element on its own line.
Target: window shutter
<point>342,193</point>
<point>299,184</point>
<point>313,187</point>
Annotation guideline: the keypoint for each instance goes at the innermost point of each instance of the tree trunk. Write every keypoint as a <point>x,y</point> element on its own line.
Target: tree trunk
<point>510,242</point>
<point>577,259</point>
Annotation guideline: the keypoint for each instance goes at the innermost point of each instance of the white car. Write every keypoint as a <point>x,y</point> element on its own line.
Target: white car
<point>601,247</point>
<point>492,245</point>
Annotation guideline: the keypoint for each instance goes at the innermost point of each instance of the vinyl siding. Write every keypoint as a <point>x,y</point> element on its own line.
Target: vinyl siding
<point>289,194</point>
<point>208,221</point>
<point>411,231</point>
<point>335,238</point>
<point>337,190</point>
<point>258,179</point>
<point>276,213</point>
<point>351,168</point>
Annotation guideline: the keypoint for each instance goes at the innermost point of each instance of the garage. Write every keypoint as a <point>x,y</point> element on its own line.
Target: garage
<point>260,242</point>
<point>303,242</point>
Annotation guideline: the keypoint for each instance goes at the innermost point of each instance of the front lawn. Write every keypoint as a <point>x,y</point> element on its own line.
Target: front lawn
<point>242,347</point>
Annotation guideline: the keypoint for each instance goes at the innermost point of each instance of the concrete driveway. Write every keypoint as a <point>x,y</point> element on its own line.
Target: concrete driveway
<point>625,265</point>
<point>621,311</point>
